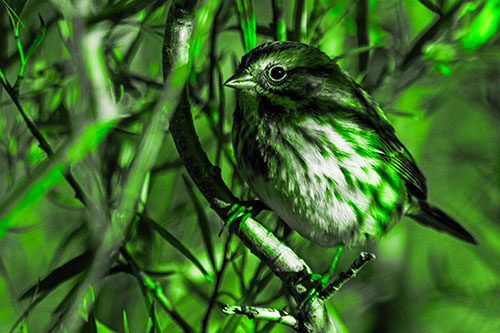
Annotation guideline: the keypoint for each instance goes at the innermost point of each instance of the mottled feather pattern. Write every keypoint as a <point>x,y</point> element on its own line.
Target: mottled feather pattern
<point>320,152</point>
<point>316,184</point>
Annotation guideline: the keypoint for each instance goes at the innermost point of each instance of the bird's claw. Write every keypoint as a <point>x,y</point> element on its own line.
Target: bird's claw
<point>238,211</point>
<point>242,211</point>
<point>318,283</point>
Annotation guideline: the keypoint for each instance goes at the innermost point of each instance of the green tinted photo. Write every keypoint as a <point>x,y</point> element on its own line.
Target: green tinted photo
<point>249,166</point>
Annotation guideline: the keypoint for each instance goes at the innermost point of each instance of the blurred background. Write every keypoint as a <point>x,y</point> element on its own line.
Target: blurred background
<point>433,65</point>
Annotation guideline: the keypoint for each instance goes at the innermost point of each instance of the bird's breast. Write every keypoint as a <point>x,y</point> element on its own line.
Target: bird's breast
<point>320,176</point>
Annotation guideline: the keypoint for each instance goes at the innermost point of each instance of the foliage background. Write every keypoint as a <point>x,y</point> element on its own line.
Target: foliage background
<point>435,74</point>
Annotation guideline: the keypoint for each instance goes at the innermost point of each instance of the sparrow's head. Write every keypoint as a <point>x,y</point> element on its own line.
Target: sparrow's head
<point>285,72</point>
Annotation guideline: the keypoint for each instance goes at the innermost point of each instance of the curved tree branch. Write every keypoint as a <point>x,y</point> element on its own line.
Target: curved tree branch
<point>283,262</point>
<point>289,267</point>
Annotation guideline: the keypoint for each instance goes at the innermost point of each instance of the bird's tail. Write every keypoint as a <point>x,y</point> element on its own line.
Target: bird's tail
<point>434,217</point>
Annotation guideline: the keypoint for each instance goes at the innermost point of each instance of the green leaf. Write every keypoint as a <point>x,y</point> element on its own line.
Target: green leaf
<point>101,328</point>
<point>125,322</point>
<point>231,324</point>
<point>300,20</point>
<point>39,37</point>
<point>246,16</point>
<point>117,11</point>
<point>432,31</point>
<point>197,290</point>
<point>68,300</point>
<point>279,21</point>
<point>30,191</point>
<point>128,270</point>
<point>65,242</point>
<point>90,326</point>
<point>12,14</point>
<point>484,26</point>
<point>172,240</point>
<point>440,52</point>
<point>431,6</point>
<point>202,222</point>
<point>60,274</point>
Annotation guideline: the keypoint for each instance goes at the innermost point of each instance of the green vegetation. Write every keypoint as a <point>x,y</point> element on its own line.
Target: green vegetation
<point>102,229</point>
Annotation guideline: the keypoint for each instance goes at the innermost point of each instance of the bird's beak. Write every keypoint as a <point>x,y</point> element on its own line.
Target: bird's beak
<point>241,80</point>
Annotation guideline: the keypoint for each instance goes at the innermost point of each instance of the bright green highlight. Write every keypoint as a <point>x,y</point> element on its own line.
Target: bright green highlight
<point>141,16</point>
<point>281,22</point>
<point>14,18</point>
<point>440,52</point>
<point>335,260</point>
<point>157,290</point>
<point>88,141</point>
<point>148,282</point>
<point>388,196</point>
<point>23,57</point>
<point>144,193</point>
<point>14,209</point>
<point>21,52</point>
<point>162,297</point>
<point>247,22</point>
<point>125,322</point>
<point>320,281</point>
<point>33,188</point>
<point>65,28</point>
<point>237,211</point>
<point>203,25</point>
<point>2,76</point>
<point>126,154</point>
<point>444,69</point>
<point>484,26</point>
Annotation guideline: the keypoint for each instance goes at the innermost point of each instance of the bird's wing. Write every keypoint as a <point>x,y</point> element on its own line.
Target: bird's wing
<point>395,153</point>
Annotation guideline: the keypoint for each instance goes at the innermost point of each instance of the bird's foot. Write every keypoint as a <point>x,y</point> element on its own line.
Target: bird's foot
<point>242,211</point>
<point>319,281</point>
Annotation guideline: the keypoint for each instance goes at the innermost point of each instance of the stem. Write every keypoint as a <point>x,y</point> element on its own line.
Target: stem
<point>269,314</point>
<point>356,266</point>
<point>300,24</point>
<point>154,288</point>
<point>433,30</point>
<point>44,144</point>
<point>279,20</point>
<point>218,280</point>
<point>20,49</point>
<point>362,33</point>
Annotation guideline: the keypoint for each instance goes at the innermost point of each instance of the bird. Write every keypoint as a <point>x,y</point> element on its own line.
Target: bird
<point>320,152</point>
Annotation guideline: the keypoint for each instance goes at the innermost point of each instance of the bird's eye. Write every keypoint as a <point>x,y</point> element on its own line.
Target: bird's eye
<point>277,73</point>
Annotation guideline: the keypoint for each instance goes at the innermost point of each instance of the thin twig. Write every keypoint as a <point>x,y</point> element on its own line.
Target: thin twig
<point>219,130</point>
<point>155,290</point>
<point>431,32</point>
<point>269,314</point>
<point>362,34</point>
<point>356,266</point>
<point>44,144</point>
<point>316,36</point>
<point>218,280</point>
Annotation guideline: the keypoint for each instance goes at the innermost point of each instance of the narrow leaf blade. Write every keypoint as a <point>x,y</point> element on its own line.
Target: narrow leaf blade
<point>172,240</point>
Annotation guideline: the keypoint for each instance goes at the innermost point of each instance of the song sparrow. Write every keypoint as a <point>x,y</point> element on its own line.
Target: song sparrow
<point>319,151</point>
